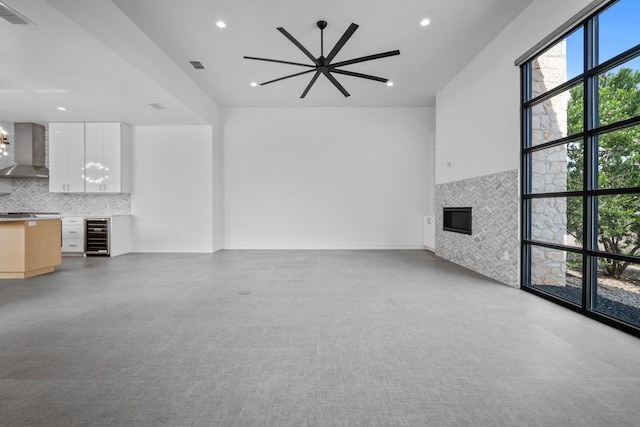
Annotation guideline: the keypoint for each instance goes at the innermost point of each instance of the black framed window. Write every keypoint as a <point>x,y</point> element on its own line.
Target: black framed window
<point>581,168</point>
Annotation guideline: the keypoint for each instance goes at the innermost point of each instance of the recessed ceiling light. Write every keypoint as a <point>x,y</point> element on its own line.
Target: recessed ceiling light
<point>389,83</point>
<point>425,22</point>
<point>62,109</point>
<point>221,24</point>
<point>254,84</point>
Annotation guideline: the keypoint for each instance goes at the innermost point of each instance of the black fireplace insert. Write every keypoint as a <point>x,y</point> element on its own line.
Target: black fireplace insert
<point>457,220</point>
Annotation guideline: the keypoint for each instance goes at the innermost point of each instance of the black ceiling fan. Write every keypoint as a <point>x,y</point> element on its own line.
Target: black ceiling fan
<point>322,64</point>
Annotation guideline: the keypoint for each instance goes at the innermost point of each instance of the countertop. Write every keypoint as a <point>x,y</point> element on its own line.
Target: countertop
<point>30,218</point>
<point>94,215</point>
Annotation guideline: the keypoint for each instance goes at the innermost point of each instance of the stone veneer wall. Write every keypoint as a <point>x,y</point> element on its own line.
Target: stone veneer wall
<point>549,167</point>
<point>495,224</point>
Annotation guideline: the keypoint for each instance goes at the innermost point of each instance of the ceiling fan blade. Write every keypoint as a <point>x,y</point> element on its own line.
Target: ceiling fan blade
<point>364,76</point>
<point>346,36</point>
<point>365,58</point>
<point>335,82</point>
<point>313,80</point>
<point>298,45</point>
<point>286,77</point>
<point>279,61</point>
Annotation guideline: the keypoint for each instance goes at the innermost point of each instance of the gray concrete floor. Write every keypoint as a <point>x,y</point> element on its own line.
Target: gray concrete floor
<point>302,338</point>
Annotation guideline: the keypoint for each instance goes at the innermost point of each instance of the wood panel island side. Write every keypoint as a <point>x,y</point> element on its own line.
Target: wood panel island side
<point>29,246</point>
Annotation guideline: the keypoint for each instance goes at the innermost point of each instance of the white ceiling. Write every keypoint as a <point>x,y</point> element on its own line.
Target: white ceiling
<point>106,60</point>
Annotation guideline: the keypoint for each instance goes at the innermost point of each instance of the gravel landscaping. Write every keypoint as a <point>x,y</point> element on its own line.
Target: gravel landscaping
<point>612,301</point>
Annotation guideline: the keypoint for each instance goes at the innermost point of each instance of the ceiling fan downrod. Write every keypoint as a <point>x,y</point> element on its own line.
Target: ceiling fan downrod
<point>322,25</point>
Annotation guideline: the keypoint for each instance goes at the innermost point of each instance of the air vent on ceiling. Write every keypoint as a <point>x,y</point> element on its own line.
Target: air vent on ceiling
<point>156,105</point>
<point>9,14</point>
<point>197,65</point>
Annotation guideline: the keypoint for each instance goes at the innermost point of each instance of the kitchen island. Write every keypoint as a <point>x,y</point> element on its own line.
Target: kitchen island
<point>29,245</point>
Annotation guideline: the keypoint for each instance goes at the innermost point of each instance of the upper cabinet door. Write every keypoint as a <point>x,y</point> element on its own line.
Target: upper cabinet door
<point>66,158</point>
<point>75,158</point>
<point>112,157</point>
<point>106,146</point>
<point>94,166</point>
<point>57,157</point>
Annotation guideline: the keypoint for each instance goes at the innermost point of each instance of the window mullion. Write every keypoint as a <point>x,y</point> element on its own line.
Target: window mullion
<point>590,163</point>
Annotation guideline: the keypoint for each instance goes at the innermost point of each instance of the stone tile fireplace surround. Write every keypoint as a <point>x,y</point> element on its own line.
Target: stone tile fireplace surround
<point>493,248</point>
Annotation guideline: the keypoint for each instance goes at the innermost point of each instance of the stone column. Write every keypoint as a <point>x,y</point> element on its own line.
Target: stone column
<point>549,167</point>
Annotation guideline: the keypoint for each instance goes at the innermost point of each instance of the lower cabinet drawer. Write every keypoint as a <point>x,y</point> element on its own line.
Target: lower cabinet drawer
<point>72,232</point>
<point>72,245</point>
<point>73,220</point>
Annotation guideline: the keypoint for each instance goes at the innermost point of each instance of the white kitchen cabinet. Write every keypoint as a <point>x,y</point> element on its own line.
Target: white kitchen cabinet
<point>120,232</point>
<point>107,156</point>
<point>66,158</point>
<point>73,235</point>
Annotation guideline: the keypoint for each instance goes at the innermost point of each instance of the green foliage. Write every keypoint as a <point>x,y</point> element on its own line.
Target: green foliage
<point>618,167</point>
<point>574,261</point>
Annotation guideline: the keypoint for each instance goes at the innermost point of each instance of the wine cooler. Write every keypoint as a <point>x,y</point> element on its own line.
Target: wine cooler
<point>96,236</point>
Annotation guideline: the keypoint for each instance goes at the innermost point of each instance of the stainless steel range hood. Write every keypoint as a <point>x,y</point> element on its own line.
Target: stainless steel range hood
<point>28,153</point>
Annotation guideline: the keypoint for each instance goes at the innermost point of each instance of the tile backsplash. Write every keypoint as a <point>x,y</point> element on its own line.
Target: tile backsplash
<point>32,195</point>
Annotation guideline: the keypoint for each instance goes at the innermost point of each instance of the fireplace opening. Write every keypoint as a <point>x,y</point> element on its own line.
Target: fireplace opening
<point>457,220</point>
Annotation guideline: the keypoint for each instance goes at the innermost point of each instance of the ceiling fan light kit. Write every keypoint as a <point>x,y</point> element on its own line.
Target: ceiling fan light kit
<point>323,65</point>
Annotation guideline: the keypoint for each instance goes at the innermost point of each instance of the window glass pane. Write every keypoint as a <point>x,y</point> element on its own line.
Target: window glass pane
<point>618,226</point>
<point>557,169</point>
<point>618,290</point>
<point>557,220</point>
<point>619,93</point>
<point>559,64</point>
<point>557,117</point>
<point>619,158</point>
<point>553,169</point>
<point>618,29</point>
<point>557,272</point>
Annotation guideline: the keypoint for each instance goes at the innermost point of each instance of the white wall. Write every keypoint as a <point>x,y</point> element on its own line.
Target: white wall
<point>477,116</point>
<point>218,184</point>
<point>327,177</point>
<point>172,188</point>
